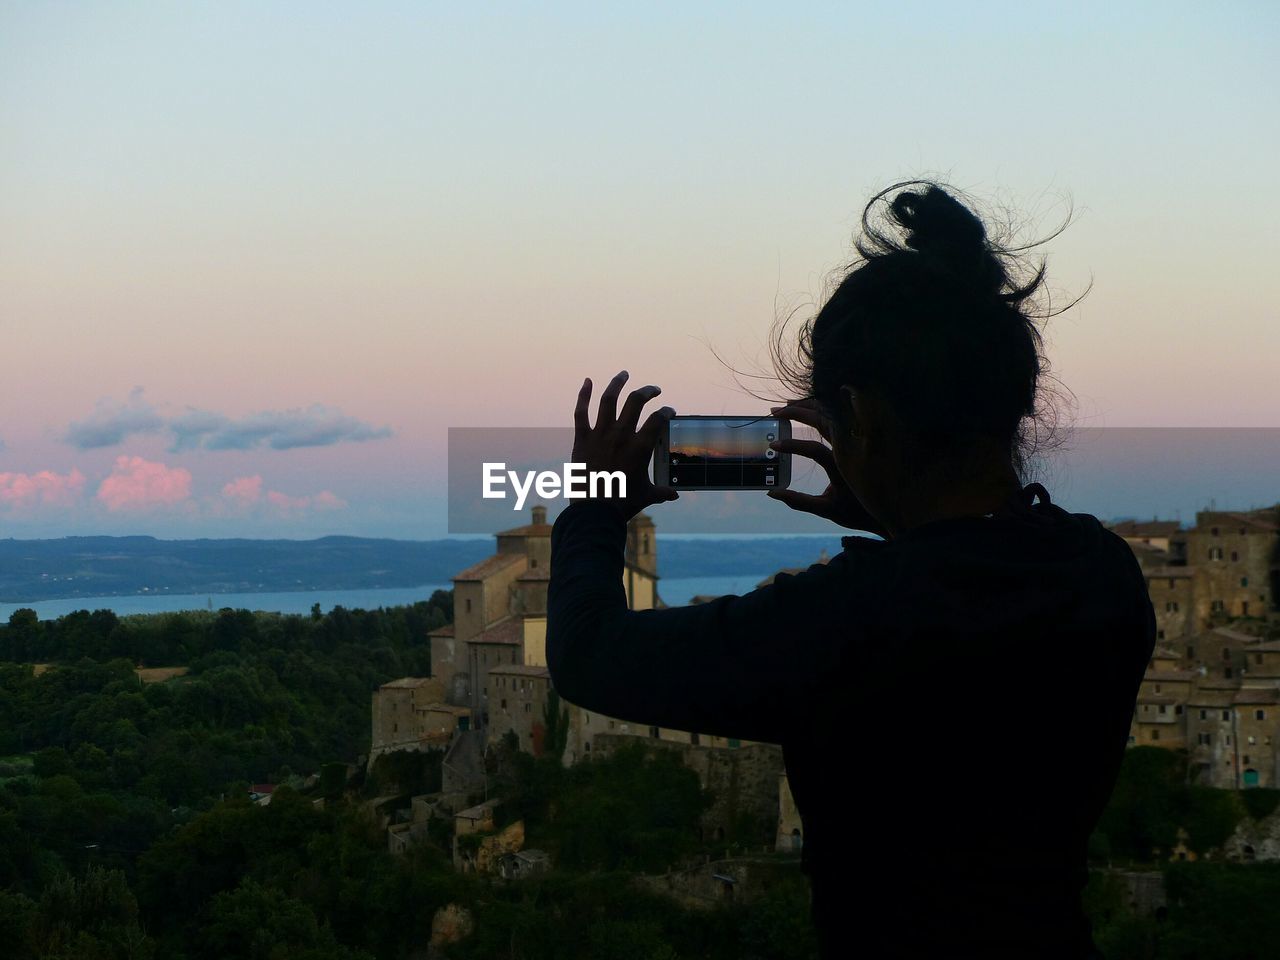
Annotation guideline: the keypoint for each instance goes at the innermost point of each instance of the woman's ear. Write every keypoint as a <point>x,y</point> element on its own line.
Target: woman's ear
<point>855,413</point>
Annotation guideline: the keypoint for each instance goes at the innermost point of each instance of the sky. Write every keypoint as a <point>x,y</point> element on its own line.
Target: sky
<point>258,258</point>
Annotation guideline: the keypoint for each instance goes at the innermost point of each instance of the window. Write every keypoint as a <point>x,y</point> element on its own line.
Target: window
<point>1159,634</point>
<point>1257,658</point>
<point>1191,652</point>
<point>468,604</point>
<point>1178,709</point>
<point>1244,581</point>
<point>1245,758</point>
<point>1252,742</point>
<point>653,732</point>
<point>1226,654</point>
<point>1259,714</point>
<point>533,562</point>
<point>1204,739</point>
<point>528,708</point>
<point>1226,715</point>
<point>504,703</point>
<point>1214,531</point>
<point>1157,688</point>
<point>1244,608</point>
<point>1163,709</point>
<point>1204,714</point>
<point>1172,583</point>
<point>1155,734</point>
<point>1235,555</point>
<point>1227,673</point>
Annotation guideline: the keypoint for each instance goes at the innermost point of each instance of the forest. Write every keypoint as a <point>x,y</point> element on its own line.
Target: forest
<point>127,828</point>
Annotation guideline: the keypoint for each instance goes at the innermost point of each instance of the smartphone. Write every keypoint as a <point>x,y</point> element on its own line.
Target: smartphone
<point>722,453</point>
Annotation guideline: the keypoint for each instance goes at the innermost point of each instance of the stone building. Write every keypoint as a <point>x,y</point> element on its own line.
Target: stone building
<point>517,702</point>
<point>411,714</point>
<point>790,828</point>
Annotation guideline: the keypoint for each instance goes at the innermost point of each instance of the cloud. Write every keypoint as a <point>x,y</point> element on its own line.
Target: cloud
<point>244,490</point>
<point>111,422</point>
<point>246,493</point>
<point>138,484</point>
<point>42,488</point>
<point>315,426</point>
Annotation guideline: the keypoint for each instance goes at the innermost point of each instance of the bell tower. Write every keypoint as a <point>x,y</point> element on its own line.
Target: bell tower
<point>642,543</point>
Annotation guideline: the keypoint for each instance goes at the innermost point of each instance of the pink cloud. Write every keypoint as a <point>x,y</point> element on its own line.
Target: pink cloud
<point>244,493</point>
<point>244,490</point>
<point>136,483</point>
<point>42,488</point>
<point>324,500</point>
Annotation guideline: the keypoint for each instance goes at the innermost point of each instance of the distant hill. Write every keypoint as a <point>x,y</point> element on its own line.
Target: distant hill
<point>119,566</point>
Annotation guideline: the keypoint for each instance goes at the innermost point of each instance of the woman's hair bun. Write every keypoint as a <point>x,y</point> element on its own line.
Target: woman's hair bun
<point>934,220</point>
<point>936,224</point>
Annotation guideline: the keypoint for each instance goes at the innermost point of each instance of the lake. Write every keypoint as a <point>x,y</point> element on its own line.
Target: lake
<point>675,591</point>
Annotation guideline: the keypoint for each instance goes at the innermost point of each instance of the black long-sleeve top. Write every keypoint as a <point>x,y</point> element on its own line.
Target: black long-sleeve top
<point>953,705</point>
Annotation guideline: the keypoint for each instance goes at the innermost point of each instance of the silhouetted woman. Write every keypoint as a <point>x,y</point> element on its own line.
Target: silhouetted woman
<point>953,700</point>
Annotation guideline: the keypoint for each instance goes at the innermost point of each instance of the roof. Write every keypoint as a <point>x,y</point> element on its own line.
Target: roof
<point>1249,695</point>
<point>479,810</point>
<point>448,708</point>
<point>1169,676</point>
<point>522,670</point>
<point>1170,573</point>
<point>1164,653</point>
<point>489,566</point>
<point>1146,528</point>
<point>528,530</point>
<point>538,573</point>
<point>1211,698</point>
<point>445,631</point>
<point>1157,699</point>
<point>509,630</point>
<point>1262,519</point>
<point>1234,634</point>
<point>1267,646</point>
<point>406,683</point>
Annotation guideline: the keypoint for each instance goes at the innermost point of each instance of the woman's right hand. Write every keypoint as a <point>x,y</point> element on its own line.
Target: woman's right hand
<point>837,503</point>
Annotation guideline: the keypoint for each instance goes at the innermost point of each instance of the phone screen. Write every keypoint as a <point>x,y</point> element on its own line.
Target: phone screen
<point>723,452</point>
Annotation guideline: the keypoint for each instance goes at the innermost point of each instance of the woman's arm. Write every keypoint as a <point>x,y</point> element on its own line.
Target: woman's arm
<point>732,667</point>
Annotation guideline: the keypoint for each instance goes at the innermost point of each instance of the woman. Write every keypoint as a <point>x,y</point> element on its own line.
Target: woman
<point>953,699</point>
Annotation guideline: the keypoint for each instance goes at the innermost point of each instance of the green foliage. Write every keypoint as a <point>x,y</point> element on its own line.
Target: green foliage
<point>1260,802</point>
<point>1221,910</point>
<point>1144,812</point>
<point>556,723</point>
<point>410,772</point>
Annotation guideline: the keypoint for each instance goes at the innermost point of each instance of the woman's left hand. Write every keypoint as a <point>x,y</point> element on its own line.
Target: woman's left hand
<point>614,443</point>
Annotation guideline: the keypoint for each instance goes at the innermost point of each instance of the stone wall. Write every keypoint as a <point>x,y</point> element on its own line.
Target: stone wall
<point>743,780</point>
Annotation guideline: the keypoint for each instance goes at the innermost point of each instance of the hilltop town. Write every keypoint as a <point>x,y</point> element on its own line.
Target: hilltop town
<point>1212,687</point>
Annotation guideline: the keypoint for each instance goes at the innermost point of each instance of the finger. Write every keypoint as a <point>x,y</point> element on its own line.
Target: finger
<point>804,502</point>
<point>819,453</point>
<point>653,425</point>
<point>807,414</point>
<point>635,403</point>
<point>582,410</point>
<point>609,399</point>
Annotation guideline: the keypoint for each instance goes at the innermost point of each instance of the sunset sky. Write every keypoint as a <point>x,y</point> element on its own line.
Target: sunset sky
<point>256,259</point>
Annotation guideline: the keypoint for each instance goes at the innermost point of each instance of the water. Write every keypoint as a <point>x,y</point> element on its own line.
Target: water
<point>675,592</point>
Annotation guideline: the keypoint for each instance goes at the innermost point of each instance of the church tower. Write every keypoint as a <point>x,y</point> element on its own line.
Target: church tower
<point>642,544</point>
